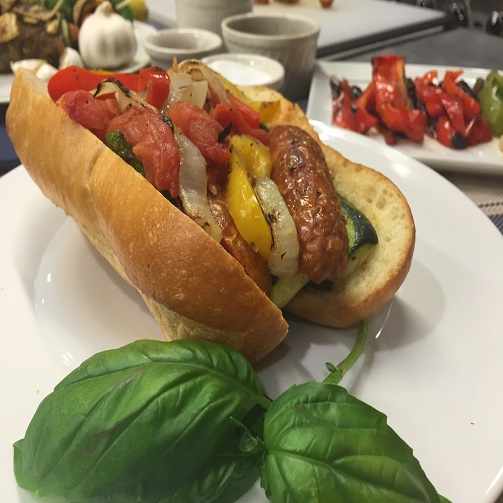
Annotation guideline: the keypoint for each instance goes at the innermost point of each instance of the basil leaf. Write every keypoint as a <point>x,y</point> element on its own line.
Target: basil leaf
<point>324,445</point>
<point>146,422</point>
<point>227,477</point>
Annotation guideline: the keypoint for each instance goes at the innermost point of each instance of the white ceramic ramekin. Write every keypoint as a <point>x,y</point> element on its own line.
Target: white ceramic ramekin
<point>181,43</point>
<point>287,38</point>
<point>247,69</point>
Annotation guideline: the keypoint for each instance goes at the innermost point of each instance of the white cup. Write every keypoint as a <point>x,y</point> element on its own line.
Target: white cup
<point>288,38</point>
<point>208,14</point>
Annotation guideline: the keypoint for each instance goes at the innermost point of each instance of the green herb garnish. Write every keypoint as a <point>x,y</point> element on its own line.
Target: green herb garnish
<point>188,421</point>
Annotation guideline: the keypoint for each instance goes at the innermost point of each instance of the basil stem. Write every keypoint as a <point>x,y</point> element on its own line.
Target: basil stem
<point>338,372</point>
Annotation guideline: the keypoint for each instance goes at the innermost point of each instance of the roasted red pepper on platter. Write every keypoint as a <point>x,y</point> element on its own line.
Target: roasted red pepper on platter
<point>454,114</point>
<point>347,110</point>
<point>392,101</point>
<point>399,107</point>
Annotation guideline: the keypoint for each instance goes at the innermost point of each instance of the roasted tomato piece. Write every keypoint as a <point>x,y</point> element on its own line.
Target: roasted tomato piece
<point>200,129</point>
<point>88,111</point>
<point>154,144</point>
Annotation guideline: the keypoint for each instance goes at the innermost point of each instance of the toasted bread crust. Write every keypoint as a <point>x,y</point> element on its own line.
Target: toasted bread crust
<point>192,286</point>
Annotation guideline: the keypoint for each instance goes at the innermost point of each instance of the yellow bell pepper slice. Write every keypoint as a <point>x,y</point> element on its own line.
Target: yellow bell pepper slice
<point>256,156</point>
<point>268,110</point>
<point>245,208</point>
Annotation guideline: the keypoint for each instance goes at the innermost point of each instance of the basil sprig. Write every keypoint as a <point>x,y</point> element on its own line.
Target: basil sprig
<point>187,421</point>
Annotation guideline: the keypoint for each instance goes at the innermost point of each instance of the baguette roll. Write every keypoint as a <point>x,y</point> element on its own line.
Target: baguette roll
<point>193,287</point>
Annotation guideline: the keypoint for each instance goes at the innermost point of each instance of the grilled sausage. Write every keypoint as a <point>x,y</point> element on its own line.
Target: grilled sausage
<point>300,171</point>
<point>254,265</point>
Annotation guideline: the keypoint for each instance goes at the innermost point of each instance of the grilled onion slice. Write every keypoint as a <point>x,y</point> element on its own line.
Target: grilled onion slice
<point>193,186</point>
<point>284,256</point>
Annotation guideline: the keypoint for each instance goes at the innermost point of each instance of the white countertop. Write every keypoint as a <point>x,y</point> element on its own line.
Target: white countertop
<point>347,23</point>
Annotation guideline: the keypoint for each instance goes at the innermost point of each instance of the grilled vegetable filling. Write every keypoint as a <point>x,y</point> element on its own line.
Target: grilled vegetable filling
<point>362,236</point>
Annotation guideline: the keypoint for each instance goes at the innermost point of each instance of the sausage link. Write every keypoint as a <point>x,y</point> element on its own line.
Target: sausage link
<point>254,265</point>
<point>300,171</point>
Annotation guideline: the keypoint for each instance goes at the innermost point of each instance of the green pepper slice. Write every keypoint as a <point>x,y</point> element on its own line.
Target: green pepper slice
<point>116,141</point>
<point>491,102</point>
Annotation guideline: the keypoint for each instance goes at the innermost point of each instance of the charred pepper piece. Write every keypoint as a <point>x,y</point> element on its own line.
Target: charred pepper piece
<point>348,107</point>
<point>392,101</point>
<point>453,112</point>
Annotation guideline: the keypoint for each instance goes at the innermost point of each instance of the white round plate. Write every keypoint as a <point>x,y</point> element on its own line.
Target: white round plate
<point>433,365</point>
<point>141,59</point>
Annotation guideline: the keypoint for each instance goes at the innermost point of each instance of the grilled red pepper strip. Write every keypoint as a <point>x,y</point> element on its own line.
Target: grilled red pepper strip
<point>478,131</point>
<point>391,99</point>
<point>429,93</point>
<point>460,123</point>
<point>74,78</point>
<point>453,106</point>
<point>241,118</point>
<point>471,107</point>
<point>156,83</point>
<point>448,136</point>
<point>367,100</point>
<point>348,113</point>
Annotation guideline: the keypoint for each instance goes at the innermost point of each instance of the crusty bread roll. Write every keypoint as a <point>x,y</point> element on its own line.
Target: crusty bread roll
<point>192,286</point>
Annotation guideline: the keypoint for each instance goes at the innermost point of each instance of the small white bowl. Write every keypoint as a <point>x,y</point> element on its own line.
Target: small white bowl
<point>290,39</point>
<point>248,69</point>
<point>208,14</point>
<point>180,43</point>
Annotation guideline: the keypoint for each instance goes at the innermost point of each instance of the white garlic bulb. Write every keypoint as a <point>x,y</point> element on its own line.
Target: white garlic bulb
<point>106,39</point>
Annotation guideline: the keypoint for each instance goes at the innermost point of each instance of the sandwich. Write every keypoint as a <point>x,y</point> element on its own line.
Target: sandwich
<point>218,203</point>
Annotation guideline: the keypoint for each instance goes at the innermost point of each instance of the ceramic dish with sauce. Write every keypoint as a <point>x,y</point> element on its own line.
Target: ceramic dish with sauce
<point>248,69</point>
